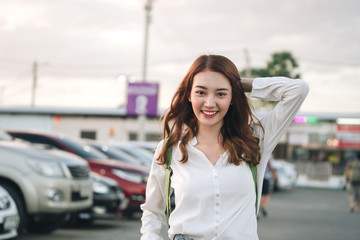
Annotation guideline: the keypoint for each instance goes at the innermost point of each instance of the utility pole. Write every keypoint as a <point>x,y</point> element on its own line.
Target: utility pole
<point>2,90</point>
<point>142,117</point>
<point>247,60</point>
<point>34,82</point>
<point>148,7</point>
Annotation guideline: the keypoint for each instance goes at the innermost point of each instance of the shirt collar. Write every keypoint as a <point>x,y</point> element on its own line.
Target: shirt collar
<point>193,141</point>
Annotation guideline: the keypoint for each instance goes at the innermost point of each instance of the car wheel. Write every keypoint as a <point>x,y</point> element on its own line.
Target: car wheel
<point>45,224</point>
<point>71,220</point>
<point>128,214</point>
<point>20,205</point>
<point>74,220</point>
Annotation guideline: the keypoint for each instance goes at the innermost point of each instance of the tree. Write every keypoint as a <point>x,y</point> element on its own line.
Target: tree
<point>281,64</point>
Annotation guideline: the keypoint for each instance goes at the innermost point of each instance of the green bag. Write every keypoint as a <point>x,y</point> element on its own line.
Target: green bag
<point>168,173</point>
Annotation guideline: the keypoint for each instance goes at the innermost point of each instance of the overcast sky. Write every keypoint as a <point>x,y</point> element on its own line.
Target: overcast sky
<point>83,46</point>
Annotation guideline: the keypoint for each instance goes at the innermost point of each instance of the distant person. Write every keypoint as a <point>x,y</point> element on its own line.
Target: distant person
<point>216,142</point>
<point>270,173</point>
<point>352,174</point>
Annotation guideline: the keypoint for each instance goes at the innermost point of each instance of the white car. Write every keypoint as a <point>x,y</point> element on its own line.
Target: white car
<point>286,175</point>
<point>9,217</point>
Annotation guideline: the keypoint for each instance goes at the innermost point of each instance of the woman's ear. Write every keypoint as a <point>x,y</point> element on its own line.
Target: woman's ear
<point>189,99</point>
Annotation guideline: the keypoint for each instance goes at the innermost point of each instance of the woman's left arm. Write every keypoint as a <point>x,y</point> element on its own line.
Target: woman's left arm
<point>290,94</point>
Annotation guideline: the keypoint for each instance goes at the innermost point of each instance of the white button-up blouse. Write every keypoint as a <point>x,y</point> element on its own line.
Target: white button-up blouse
<point>218,202</point>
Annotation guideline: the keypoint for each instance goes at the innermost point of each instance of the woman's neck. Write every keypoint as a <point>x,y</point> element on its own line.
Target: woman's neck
<point>208,136</point>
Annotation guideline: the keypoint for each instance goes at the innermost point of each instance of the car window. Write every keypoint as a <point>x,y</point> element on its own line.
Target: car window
<point>46,142</point>
<point>116,154</point>
<point>82,149</point>
<point>141,154</point>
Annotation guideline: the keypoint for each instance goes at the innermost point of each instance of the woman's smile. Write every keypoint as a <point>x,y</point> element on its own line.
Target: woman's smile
<point>209,114</point>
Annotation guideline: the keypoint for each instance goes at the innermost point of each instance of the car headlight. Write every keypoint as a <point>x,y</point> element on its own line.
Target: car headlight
<point>4,203</point>
<point>132,177</point>
<point>100,188</point>
<point>45,168</point>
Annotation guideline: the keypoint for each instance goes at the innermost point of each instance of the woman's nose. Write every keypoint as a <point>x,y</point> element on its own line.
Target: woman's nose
<point>210,101</point>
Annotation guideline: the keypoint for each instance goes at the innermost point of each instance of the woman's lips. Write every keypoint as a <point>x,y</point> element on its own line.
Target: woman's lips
<point>209,113</point>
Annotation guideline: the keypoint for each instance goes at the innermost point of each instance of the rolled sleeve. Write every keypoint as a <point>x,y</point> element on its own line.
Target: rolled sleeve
<point>290,94</point>
<point>153,218</point>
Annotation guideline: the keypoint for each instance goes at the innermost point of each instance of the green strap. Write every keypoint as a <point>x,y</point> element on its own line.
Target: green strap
<point>168,173</point>
<point>254,174</point>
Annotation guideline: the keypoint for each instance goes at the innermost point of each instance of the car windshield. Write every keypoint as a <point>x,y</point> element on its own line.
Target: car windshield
<point>84,150</point>
<point>140,153</point>
<point>116,154</point>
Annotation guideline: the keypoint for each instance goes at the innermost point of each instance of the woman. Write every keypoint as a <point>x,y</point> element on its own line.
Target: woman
<point>214,134</point>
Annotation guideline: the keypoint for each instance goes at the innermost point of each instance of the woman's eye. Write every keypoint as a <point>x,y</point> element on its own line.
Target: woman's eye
<point>200,92</point>
<point>221,94</point>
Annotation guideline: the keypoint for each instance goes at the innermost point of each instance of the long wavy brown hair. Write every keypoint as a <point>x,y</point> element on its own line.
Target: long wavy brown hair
<point>180,122</point>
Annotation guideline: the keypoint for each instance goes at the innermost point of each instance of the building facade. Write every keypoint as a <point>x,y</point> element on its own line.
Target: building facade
<point>316,139</point>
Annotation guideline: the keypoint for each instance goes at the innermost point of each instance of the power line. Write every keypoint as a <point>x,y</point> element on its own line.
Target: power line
<point>103,68</point>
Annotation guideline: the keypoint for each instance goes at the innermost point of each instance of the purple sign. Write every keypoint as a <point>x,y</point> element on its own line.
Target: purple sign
<point>142,99</point>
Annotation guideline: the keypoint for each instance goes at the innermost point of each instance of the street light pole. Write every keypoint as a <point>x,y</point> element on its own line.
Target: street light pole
<point>148,7</point>
<point>247,60</point>
<point>34,83</point>
<point>142,117</point>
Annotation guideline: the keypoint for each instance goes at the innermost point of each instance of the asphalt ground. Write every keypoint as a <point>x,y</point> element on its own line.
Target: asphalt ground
<point>311,214</point>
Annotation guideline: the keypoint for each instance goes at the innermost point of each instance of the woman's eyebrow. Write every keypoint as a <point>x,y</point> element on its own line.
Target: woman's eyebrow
<point>222,89</point>
<point>199,86</point>
<point>219,89</point>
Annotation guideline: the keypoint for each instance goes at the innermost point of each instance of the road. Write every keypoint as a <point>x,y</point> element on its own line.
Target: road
<point>298,214</point>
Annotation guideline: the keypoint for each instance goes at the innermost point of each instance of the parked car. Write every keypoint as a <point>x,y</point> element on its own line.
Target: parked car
<point>108,202</point>
<point>9,217</point>
<point>147,145</point>
<point>109,199</point>
<point>136,151</point>
<point>286,175</point>
<point>132,178</point>
<point>115,153</point>
<point>45,185</point>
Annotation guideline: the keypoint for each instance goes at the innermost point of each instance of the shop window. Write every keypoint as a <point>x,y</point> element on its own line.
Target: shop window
<point>153,137</point>
<point>88,134</point>
<point>314,138</point>
<point>133,136</point>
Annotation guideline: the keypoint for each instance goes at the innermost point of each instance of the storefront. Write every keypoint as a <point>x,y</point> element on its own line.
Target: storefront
<point>328,142</point>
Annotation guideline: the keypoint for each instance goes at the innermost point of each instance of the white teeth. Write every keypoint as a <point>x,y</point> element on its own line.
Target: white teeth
<point>209,113</point>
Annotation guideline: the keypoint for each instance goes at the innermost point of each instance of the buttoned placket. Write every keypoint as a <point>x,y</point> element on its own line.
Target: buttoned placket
<point>217,193</point>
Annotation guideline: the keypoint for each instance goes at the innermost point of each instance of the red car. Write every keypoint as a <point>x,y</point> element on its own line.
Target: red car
<point>132,178</point>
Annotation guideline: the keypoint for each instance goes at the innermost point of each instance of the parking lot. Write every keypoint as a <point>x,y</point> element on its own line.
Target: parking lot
<point>293,215</point>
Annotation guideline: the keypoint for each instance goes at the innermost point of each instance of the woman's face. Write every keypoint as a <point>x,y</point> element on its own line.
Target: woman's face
<point>210,98</point>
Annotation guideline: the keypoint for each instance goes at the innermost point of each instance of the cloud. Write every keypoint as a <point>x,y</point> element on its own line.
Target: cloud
<point>101,39</point>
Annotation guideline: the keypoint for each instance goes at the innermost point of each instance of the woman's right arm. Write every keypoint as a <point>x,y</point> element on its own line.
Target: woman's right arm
<point>153,218</point>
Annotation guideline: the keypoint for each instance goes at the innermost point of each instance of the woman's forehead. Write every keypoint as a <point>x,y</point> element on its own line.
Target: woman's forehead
<point>211,79</point>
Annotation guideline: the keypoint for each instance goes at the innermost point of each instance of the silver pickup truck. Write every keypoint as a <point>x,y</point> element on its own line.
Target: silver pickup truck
<point>46,185</point>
